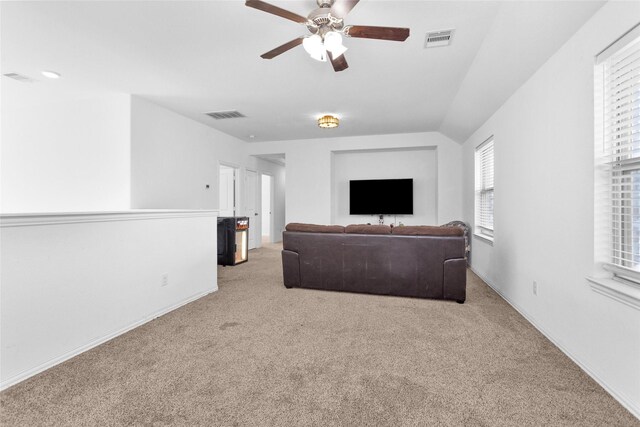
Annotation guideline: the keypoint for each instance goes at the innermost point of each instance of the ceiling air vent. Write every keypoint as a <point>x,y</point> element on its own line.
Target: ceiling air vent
<point>19,77</point>
<point>219,115</point>
<point>438,38</point>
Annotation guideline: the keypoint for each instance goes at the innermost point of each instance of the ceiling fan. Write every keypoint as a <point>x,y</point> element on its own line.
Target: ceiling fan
<point>326,25</point>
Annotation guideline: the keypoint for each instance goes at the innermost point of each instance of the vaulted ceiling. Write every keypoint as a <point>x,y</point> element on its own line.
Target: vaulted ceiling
<point>197,57</point>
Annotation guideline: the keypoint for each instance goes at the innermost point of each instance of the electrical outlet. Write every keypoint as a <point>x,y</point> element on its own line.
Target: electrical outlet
<point>535,288</point>
<point>164,280</point>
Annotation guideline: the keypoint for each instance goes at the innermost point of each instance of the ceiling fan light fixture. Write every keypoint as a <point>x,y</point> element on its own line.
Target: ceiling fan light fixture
<point>332,40</point>
<point>328,122</point>
<point>321,55</point>
<point>333,43</point>
<point>314,47</point>
<point>327,28</point>
<point>337,51</point>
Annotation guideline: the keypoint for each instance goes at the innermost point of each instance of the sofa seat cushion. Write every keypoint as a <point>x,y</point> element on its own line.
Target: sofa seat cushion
<point>427,230</point>
<point>367,229</point>
<point>314,228</point>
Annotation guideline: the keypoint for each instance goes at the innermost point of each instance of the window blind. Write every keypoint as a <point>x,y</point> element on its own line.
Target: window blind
<point>484,188</point>
<point>621,142</point>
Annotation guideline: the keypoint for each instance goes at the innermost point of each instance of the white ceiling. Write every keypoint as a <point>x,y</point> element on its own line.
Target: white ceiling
<point>196,57</point>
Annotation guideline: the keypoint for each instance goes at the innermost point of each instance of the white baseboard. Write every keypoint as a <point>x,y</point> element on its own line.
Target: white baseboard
<point>620,397</point>
<point>53,362</point>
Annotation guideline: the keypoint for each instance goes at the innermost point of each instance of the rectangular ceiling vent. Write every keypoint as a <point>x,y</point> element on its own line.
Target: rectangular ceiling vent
<point>219,115</point>
<point>19,77</point>
<point>438,38</point>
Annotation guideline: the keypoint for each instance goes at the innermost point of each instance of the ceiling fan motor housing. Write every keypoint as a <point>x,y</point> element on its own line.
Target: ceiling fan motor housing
<point>321,21</point>
<point>325,3</point>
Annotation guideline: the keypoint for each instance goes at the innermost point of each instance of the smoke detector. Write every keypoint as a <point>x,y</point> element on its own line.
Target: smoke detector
<point>438,38</point>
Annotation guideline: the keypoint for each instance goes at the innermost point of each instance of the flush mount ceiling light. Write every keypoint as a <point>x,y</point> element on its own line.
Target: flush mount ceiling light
<point>328,122</point>
<point>51,74</point>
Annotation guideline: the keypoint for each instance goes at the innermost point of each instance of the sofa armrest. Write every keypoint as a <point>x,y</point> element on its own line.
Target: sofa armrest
<point>455,279</point>
<point>290,269</point>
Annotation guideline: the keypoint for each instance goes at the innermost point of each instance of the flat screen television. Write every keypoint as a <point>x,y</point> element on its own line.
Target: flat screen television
<point>381,197</point>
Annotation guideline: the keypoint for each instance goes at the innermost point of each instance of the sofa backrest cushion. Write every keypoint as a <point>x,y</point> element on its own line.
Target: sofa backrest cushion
<point>376,263</point>
<point>367,229</point>
<point>427,230</point>
<point>314,228</point>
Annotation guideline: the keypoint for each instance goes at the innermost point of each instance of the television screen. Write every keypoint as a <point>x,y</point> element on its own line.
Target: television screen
<point>381,196</point>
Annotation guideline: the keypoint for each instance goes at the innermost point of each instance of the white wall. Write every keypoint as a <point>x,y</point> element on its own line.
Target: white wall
<point>226,191</point>
<point>63,153</point>
<point>544,209</point>
<point>174,158</point>
<point>419,164</point>
<point>70,282</point>
<point>309,186</point>
<point>266,207</point>
<point>277,172</point>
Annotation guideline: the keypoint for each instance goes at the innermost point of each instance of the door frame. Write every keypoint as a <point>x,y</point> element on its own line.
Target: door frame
<point>272,203</point>
<point>236,185</point>
<point>252,220</point>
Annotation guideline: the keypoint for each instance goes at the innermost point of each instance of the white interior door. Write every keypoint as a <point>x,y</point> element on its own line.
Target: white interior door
<point>265,204</point>
<point>251,186</point>
<point>227,202</point>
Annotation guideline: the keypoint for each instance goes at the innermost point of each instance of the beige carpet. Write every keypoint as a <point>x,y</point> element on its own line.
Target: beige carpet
<point>255,353</point>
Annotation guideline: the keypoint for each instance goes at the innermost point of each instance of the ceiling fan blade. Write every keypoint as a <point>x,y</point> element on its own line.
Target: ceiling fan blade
<point>282,49</point>
<point>341,7</point>
<point>339,63</point>
<point>275,10</point>
<point>381,33</point>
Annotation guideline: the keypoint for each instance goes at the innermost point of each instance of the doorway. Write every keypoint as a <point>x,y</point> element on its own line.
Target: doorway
<point>227,191</point>
<point>251,192</point>
<point>266,207</point>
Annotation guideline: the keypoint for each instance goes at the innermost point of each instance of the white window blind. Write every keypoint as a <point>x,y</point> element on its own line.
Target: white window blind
<point>484,188</point>
<point>621,148</point>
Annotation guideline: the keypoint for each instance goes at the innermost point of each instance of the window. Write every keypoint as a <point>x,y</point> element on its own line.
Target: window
<point>484,190</point>
<point>618,145</point>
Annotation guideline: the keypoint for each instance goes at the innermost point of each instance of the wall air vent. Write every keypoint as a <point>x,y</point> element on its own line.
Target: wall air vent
<point>438,38</point>
<point>219,115</point>
<point>19,77</point>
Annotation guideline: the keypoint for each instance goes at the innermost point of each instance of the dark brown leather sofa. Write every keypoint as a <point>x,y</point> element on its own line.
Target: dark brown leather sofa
<point>423,262</point>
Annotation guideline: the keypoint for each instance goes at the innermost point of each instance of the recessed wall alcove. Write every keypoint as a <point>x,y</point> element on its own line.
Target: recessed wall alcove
<point>418,163</point>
